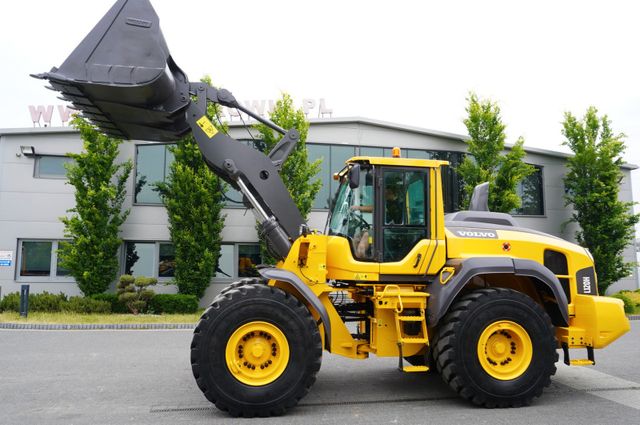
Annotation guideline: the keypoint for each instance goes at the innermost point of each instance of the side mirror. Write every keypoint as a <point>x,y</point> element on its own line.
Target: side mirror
<point>354,176</point>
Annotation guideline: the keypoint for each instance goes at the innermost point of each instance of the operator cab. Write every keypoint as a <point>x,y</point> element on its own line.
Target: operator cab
<point>383,207</point>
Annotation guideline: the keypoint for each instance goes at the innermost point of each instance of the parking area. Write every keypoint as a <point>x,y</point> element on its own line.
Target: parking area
<point>144,377</point>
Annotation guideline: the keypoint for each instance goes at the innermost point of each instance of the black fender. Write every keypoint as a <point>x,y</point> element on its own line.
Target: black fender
<point>272,273</point>
<point>441,296</point>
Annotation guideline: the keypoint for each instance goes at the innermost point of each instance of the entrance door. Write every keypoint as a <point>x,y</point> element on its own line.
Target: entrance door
<point>403,227</point>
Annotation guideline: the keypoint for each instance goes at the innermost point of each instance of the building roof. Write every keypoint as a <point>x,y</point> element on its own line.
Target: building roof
<point>329,121</point>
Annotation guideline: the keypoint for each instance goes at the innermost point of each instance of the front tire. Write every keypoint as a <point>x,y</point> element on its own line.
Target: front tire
<point>496,348</point>
<point>255,351</point>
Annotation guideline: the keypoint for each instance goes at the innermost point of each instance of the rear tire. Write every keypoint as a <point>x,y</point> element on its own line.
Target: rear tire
<point>255,351</point>
<point>496,348</point>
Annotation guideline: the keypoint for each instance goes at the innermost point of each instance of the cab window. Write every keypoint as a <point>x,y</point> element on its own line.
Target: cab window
<point>405,214</point>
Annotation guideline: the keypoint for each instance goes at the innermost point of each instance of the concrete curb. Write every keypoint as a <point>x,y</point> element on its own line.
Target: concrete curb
<point>96,326</point>
<point>124,326</point>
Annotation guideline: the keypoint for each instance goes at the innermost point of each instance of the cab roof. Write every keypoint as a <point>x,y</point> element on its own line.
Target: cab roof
<point>398,162</point>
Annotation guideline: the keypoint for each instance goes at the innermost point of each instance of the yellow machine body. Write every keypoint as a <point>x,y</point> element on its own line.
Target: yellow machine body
<point>396,306</point>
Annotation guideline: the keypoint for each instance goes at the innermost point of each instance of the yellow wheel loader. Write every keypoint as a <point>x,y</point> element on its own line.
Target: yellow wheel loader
<point>471,294</point>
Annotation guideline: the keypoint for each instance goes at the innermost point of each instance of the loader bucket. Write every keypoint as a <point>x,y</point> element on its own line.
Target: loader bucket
<point>123,79</point>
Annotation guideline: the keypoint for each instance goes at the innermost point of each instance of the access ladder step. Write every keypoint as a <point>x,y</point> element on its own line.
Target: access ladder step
<point>413,340</point>
<point>589,361</point>
<point>582,362</point>
<point>411,318</point>
<point>413,369</point>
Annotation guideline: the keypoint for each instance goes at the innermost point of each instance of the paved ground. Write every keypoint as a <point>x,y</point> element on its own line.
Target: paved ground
<point>144,377</point>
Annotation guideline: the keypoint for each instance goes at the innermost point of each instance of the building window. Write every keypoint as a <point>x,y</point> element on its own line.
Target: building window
<point>51,166</point>
<point>157,259</point>
<point>152,166</point>
<point>166,260</point>
<point>225,267</point>
<point>333,158</point>
<point>39,259</point>
<point>153,259</point>
<point>238,260</point>
<point>530,191</point>
<point>140,259</point>
<point>248,259</point>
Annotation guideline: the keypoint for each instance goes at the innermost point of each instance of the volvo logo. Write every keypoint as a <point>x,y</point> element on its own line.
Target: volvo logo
<point>478,234</point>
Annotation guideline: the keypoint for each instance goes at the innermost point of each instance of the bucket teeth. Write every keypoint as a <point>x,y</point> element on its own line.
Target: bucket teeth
<point>122,76</point>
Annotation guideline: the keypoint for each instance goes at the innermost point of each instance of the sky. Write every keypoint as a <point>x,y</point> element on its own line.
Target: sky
<point>406,62</point>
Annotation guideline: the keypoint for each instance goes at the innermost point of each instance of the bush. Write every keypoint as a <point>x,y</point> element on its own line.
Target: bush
<point>634,296</point>
<point>86,305</point>
<point>10,302</point>
<point>629,306</point>
<point>117,306</point>
<point>134,293</point>
<point>44,301</point>
<point>173,303</point>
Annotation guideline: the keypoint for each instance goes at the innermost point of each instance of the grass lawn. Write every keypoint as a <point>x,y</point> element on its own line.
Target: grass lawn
<point>75,318</point>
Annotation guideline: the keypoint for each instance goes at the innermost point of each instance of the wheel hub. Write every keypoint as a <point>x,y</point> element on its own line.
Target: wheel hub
<point>505,350</point>
<point>257,353</point>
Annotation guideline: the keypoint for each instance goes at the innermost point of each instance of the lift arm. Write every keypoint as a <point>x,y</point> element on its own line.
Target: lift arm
<point>249,170</point>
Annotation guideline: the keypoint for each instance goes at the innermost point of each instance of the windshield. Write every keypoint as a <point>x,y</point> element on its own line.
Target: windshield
<point>352,214</point>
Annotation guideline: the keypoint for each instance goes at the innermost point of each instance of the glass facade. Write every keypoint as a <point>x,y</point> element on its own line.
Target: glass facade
<point>153,162</point>
<point>333,158</point>
<point>335,155</point>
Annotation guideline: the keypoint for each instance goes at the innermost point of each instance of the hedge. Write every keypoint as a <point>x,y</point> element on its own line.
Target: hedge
<point>44,301</point>
<point>117,306</point>
<point>99,303</point>
<point>173,303</point>
<point>85,305</point>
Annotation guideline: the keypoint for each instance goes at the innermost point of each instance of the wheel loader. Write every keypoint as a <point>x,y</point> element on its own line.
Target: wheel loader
<point>483,301</point>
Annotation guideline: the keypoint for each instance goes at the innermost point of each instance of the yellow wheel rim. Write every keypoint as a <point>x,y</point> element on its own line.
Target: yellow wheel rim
<point>257,353</point>
<point>505,350</point>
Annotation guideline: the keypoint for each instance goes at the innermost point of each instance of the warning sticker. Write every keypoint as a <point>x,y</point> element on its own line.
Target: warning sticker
<point>207,126</point>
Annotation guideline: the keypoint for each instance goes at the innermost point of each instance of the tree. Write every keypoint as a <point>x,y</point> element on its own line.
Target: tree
<point>91,254</point>
<point>486,163</point>
<point>193,197</point>
<point>297,172</point>
<point>592,186</point>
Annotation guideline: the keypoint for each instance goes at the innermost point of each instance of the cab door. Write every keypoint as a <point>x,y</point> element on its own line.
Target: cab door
<point>403,228</point>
